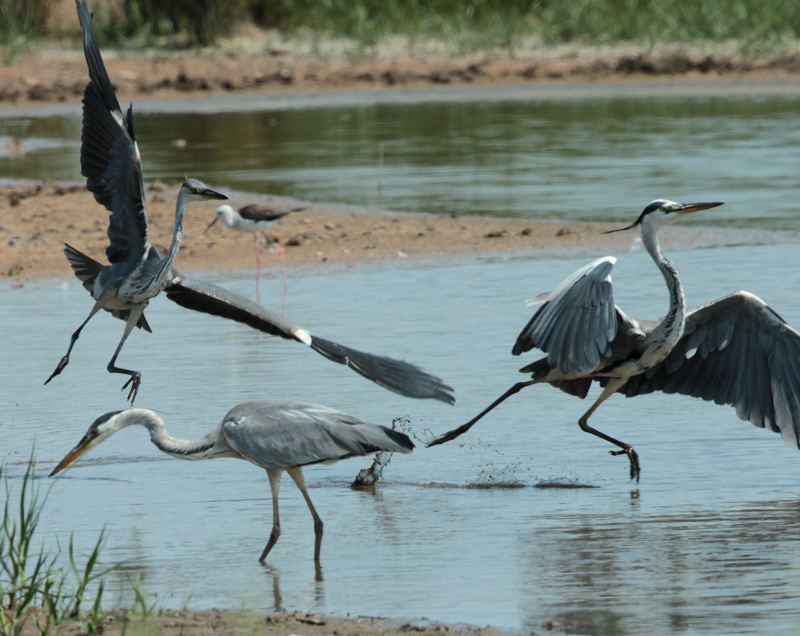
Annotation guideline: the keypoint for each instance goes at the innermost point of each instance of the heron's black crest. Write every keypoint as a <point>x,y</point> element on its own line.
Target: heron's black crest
<point>654,206</point>
<point>104,418</point>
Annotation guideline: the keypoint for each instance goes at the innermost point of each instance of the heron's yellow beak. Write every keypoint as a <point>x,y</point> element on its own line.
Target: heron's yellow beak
<point>208,193</point>
<point>83,446</point>
<point>688,208</point>
<point>210,224</point>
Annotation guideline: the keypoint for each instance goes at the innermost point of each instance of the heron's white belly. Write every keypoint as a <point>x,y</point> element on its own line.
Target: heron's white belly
<point>127,295</point>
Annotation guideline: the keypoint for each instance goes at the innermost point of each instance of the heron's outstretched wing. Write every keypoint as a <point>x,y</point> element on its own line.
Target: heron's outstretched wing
<point>395,375</point>
<point>735,350</point>
<point>109,155</point>
<point>577,322</point>
<point>287,434</point>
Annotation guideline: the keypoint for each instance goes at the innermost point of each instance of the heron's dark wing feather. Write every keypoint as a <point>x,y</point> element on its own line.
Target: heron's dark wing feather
<point>395,375</point>
<point>86,270</point>
<point>258,212</point>
<point>577,322</point>
<point>735,350</point>
<point>109,156</point>
<point>287,434</point>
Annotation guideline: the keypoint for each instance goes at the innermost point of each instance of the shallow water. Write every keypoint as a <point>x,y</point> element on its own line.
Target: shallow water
<point>595,153</point>
<point>707,543</point>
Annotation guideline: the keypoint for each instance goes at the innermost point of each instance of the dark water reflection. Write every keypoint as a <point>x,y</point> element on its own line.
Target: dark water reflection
<point>695,571</point>
<point>587,159</point>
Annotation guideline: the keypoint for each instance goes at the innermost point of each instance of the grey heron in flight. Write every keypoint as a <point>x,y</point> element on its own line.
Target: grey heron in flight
<point>734,350</point>
<point>255,218</point>
<point>277,436</point>
<point>112,166</point>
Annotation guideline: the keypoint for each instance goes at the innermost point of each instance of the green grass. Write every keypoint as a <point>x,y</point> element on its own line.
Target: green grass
<point>21,23</point>
<point>465,24</point>
<point>674,21</point>
<point>35,584</point>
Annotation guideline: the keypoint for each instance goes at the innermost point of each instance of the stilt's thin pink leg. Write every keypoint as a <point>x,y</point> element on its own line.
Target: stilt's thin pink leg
<point>258,268</point>
<point>283,262</point>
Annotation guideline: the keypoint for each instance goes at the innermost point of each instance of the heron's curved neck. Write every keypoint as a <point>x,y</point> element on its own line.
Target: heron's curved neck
<point>177,235</point>
<point>202,448</point>
<point>673,322</point>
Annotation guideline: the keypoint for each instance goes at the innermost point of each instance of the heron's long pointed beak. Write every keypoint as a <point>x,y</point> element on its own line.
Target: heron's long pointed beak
<point>210,224</point>
<point>76,452</point>
<point>208,193</point>
<point>688,208</point>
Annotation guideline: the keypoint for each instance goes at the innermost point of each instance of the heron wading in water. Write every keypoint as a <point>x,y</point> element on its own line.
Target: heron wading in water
<point>256,218</point>
<point>734,350</point>
<point>277,436</point>
<point>112,166</point>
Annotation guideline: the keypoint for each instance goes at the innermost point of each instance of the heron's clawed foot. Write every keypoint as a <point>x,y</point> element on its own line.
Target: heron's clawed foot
<point>61,365</point>
<point>135,380</point>
<point>633,456</point>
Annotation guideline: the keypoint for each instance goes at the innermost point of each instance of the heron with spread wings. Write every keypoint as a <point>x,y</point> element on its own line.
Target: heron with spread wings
<point>734,350</point>
<point>112,166</point>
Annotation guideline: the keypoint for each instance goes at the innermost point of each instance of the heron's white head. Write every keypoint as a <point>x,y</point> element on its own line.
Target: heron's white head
<point>100,430</point>
<point>662,212</point>
<point>194,190</point>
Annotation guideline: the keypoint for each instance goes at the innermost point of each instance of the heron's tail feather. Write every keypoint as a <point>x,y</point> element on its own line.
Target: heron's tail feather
<point>85,267</point>
<point>395,375</point>
<point>87,270</point>
<point>579,387</point>
<point>397,442</point>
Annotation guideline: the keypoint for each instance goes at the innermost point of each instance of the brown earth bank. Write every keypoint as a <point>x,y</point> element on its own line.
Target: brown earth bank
<point>263,62</point>
<point>36,220</point>
<point>176,623</point>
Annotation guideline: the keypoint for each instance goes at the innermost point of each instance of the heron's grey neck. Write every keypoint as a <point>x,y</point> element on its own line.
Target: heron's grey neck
<point>671,327</point>
<point>164,267</point>
<point>206,447</point>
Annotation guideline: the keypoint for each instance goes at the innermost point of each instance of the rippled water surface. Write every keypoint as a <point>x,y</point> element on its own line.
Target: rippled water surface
<point>707,543</point>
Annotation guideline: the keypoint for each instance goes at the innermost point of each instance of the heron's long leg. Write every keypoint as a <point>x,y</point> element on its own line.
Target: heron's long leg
<point>275,486</point>
<point>135,377</point>
<point>450,435</point>
<point>273,242</point>
<point>65,360</point>
<point>612,387</point>
<point>258,267</point>
<point>296,473</point>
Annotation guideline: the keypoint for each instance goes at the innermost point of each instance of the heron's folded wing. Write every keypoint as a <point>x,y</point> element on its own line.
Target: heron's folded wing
<point>735,350</point>
<point>110,158</point>
<point>287,434</point>
<point>577,322</point>
<point>395,375</point>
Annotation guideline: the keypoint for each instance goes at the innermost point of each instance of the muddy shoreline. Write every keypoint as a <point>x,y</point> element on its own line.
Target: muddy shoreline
<point>297,623</point>
<point>39,218</point>
<point>265,63</point>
